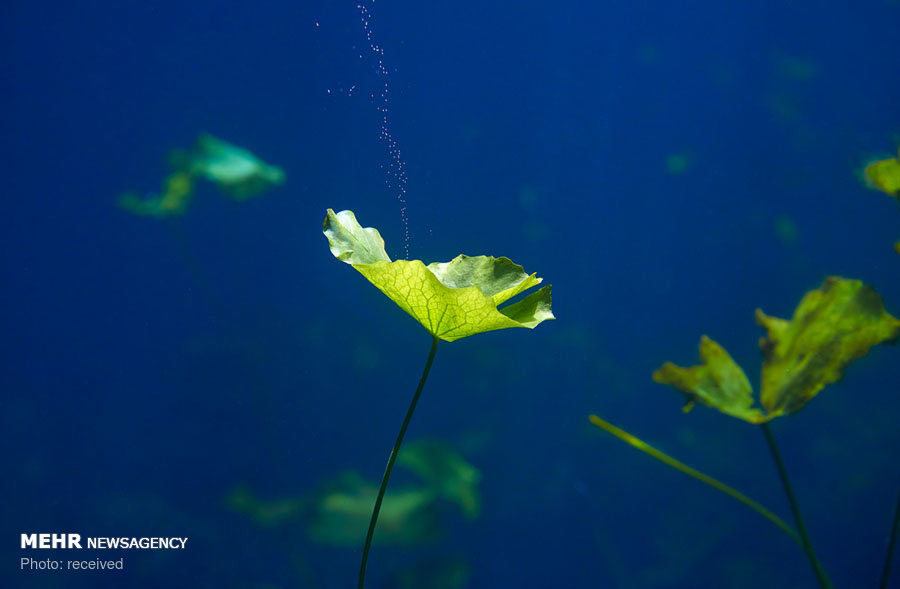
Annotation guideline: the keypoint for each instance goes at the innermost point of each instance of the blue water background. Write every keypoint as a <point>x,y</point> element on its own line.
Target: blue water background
<point>150,367</point>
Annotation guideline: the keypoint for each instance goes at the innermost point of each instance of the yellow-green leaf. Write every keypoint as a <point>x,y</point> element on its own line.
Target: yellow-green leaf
<point>884,175</point>
<point>831,327</point>
<point>718,382</point>
<point>451,300</point>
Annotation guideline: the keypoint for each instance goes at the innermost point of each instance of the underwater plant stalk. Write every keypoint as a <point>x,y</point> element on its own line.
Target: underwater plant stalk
<point>391,460</point>
<point>691,472</point>
<point>801,527</point>
<point>892,543</point>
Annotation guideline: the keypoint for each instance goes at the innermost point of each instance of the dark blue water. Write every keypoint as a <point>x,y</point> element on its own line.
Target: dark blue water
<point>150,367</point>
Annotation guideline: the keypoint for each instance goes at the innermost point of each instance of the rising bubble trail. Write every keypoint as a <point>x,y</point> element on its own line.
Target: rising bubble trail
<point>396,168</point>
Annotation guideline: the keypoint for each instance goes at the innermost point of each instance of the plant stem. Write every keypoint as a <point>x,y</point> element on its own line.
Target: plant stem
<point>824,582</point>
<point>391,460</point>
<point>692,472</point>
<point>886,572</point>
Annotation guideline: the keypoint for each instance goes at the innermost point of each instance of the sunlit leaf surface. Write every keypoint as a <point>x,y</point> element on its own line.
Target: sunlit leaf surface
<point>451,300</point>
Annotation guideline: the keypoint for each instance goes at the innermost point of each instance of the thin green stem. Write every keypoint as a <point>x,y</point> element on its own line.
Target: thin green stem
<point>692,472</point>
<point>892,543</point>
<point>391,460</point>
<point>824,582</point>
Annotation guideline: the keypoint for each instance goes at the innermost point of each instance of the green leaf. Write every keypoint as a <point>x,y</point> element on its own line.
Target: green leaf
<point>451,300</point>
<point>831,327</point>
<point>718,382</point>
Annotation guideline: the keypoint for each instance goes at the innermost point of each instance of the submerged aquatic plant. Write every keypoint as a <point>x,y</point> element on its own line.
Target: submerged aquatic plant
<point>236,171</point>
<point>178,187</point>
<point>338,511</point>
<point>831,327</point>
<point>445,471</point>
<point>884,175</point>
<point>450,300</point>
